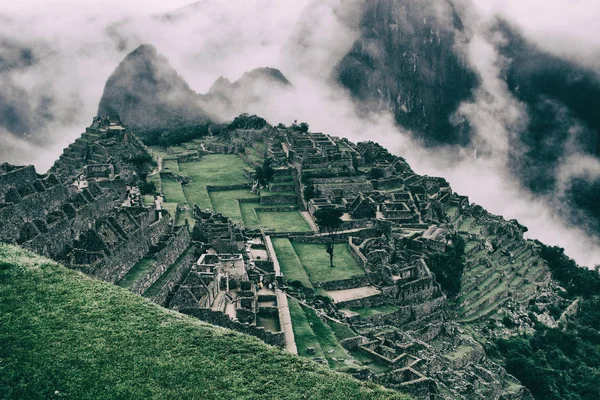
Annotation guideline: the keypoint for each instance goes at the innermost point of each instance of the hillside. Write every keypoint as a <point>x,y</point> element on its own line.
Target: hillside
<point>65,335</point>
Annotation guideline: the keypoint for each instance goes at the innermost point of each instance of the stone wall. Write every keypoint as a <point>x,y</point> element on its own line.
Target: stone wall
<point>175,247</point>
<point>220,319</point>
<point>350,283</point>
<point>182,270</point>
<point>278,199</point>
<point>224,188</point>
<point>128,253</point>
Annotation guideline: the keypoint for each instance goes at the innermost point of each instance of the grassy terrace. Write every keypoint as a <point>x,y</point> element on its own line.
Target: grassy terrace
<point>138,270</point>
<point>172,191</point>
<point>212,170</point>
<point>303,334</point>
<point>286,221</point>
<point>377,310</point>
<point>315,260</point>
<point>227,203</point>
<point>291,267</point>
<point>66,335</point>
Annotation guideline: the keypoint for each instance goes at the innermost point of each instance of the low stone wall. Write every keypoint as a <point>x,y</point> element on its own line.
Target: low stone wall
<point>317,239</point>
<point>368,302</point>
<point>350,283</point>
<point>278,199</point>
<point>390,183</point>
<point>356,253</point>
<point>353,342</point>
<point>182,270</point>
<point>165,258</point>
<point>220,319</point>
<point>210,188</point>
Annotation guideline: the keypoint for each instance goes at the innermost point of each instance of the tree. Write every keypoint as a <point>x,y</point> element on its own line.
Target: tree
<point>448,267</point>
<point>265,173</point>
<point>246,121</point>
<point>329,219</point>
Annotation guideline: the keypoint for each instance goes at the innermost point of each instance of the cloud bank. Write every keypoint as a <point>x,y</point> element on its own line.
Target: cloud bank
<point>74,50</point>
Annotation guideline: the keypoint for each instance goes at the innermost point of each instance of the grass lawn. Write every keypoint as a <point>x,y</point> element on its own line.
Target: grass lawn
<point>283,221</point>
<point>181,217</point>
<point>170,164</point>
<point>211,170</point>
<point>172,191</point>
<point>315,260</point>
<point>227,203</point>
<point>377,310</point>
<point>326,339</point>
<point>171,207</point>
<point>341,331</point>
<point>66,335</point>
<point>290,263</point>
<point>249,216</point>
<point>138,270</point>
<point>303,333</point>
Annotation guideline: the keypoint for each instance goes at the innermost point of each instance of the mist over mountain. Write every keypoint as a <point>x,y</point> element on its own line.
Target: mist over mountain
<point>406,61</point>
<point>445,84</point>
<point>148,94</point>
<point>421,62</point>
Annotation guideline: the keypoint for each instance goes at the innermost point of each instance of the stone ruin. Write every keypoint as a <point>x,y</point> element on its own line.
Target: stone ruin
<point>88,213</point>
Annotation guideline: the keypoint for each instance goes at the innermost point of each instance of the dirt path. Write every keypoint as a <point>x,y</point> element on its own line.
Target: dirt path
<point>311,223</point>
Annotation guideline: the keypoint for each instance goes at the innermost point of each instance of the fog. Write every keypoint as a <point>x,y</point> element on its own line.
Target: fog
<point>76,47</point>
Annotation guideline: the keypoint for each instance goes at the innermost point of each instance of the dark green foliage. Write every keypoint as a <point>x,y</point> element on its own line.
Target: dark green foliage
<point>140,159</point>
<point>330,219</point>
<point>376,173</point>
<point>448,267</point>
<point>302,127</point>
<point>246,121</point>
<point>147,188</point>
<point>557,364</point>
<point>173,133</point>
<point>578,281</point>
<point>265,173</point>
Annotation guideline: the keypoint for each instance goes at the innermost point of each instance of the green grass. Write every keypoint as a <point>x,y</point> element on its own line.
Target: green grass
<point>172,208</point>
<point>66,335</point>
<point>227,203</point>
<point>341,331</point>
<point>283,221</point>
<point>315,260</point>
<point>326,339</point>
<point>290,263</point>
<point>369,362</point>
<point>211,170</point>
<point>377,310</point>
<point>303,333</point>
<point>170,164</point>
<point>172,191</point>
<point>249,216</point>
<point>138,270</point>
<point>181,217</point>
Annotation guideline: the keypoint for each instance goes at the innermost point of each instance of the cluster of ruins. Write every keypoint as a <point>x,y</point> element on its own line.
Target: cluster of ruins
<point>88,213</point>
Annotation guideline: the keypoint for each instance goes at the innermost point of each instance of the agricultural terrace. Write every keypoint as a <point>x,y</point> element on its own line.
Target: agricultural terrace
<point>308,263</point>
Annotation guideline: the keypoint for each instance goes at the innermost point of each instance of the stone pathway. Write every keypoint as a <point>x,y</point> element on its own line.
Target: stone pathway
<point>309,220</point>
<point>285,320</point>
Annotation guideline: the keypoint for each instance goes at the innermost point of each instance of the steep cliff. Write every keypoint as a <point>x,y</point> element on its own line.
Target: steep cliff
<point>405,61</point>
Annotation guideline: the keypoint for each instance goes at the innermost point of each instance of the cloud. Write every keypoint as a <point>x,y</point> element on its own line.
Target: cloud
<point>76,48</point>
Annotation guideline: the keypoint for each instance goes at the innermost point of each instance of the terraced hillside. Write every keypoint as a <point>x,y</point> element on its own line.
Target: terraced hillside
<point>65,335</point>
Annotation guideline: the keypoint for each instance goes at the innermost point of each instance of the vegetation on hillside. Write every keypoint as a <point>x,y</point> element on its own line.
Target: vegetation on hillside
<point>557,364</point>
<point>65,335</point>
<point>448,267</point>
<point>562,362</point>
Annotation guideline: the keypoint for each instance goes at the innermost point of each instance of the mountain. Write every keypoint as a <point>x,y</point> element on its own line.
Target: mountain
<point>149,95</point>
<point>408,60</point>
<point>405,61</point>
<point>230,99</point>
<point>153,99</point>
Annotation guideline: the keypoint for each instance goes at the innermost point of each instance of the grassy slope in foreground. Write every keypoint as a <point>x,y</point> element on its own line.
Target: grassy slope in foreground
<point>64,335</point>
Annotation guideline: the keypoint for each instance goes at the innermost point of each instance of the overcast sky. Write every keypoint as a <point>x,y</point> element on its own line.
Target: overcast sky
<point>75,42</point>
